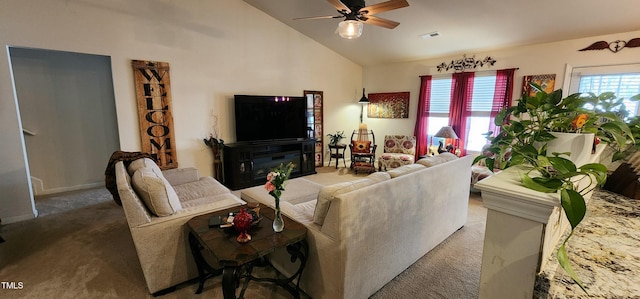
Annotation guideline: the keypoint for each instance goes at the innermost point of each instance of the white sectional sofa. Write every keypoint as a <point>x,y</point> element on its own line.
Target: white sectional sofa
<point>363,233</point>
<point>157,204</point>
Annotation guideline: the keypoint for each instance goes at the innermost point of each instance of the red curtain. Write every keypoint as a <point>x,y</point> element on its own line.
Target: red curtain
<point>460,107</point>
<point>502,97</point>
<point>420,131</point>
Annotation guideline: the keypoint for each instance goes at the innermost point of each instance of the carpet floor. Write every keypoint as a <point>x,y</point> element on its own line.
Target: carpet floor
<point>80,247</point>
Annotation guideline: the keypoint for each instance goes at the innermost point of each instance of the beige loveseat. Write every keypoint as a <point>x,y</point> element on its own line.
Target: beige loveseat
<point>157,204</point>
<point>363,233</point>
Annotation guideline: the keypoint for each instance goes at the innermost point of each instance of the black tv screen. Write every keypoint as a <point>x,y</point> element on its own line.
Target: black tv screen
<point>262,118</point>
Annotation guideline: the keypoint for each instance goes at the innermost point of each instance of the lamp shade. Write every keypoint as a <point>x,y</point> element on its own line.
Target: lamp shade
<point>363,99</point>
<point>446,132</point>
<point>350,29</point>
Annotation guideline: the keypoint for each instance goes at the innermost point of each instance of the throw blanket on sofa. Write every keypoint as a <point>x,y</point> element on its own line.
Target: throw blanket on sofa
<point>110,172</point>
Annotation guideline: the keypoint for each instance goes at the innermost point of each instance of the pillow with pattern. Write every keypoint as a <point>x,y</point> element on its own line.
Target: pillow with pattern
<point>361,146</point>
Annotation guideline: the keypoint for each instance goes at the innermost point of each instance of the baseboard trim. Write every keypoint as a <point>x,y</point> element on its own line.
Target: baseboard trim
<point>40,191</point>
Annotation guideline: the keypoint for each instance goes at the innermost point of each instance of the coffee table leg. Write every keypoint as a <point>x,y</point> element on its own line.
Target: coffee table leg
<point>201,264</point>
<point>229,282</point>
<point>298,251</point>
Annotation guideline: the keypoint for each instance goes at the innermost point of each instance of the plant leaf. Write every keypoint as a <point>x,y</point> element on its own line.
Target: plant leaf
<point>573,205</point>
<point>562,165</point>
<point>618,156</point>
<point>551,183</point>
<point>490,164</point>
<point>533,185</point>
<point>563,260</point>
<point>544,136</point>
<point>598,170</point>
<point>500,118</point>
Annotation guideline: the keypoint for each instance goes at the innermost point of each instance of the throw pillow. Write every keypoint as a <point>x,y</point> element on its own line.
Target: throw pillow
<point>142,163</point>
<point>156,192</point>
<point>328,193</point>
<point>361,146</point>
<point>435,160</point>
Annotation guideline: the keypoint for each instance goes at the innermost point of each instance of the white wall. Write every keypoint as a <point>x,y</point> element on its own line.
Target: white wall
<point>549,58</point>
<point>216,48</point>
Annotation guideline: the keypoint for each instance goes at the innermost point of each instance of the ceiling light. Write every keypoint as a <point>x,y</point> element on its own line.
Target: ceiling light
<point>350,29</point>
<point>430,35</point>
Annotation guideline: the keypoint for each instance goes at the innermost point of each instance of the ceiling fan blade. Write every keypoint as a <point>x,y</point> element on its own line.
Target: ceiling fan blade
<point>371,20</point>
<point>339,5</point>
<point>319,17</point>
<point>384,6</point>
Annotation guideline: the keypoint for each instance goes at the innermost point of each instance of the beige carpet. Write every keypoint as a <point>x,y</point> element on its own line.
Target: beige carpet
<point>80,247</point>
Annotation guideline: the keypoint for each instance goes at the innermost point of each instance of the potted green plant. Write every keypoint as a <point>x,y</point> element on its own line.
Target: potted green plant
<point>526,131</point>
<point>604,115</point>
<point>335,138</point>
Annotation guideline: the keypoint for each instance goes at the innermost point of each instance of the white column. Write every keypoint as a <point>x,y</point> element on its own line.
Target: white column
<point>523,227</point>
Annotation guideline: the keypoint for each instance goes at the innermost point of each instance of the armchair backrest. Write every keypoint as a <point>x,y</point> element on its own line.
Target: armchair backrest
<point>402,144</point>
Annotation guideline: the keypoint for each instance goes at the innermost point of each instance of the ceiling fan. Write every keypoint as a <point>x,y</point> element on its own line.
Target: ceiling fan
<point>355,14</point>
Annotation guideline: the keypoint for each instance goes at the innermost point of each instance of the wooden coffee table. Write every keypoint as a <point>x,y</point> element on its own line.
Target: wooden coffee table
<point>235,261</point>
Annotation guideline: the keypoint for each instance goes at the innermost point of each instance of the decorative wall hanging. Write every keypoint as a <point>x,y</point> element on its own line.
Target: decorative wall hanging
<point>388,105</point>
<point>466,63</point>
<point>153,92</point>
<point>614,46</point>
<point>546,82</point>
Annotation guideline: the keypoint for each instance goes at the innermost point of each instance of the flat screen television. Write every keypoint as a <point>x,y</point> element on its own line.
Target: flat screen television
<point>263,118</point>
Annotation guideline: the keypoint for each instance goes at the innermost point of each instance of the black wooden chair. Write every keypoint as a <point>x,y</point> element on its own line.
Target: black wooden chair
<point>363,150</point>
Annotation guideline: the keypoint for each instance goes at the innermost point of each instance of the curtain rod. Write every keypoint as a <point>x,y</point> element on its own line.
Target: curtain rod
<point>513,68</point>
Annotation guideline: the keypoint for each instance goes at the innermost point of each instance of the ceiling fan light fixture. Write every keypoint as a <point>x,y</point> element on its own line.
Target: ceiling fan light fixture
<point>350,29</point>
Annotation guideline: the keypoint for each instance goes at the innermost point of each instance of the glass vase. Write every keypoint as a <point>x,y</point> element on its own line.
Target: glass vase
<point>278,223</point>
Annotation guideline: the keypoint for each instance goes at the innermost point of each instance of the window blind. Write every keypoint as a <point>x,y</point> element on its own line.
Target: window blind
<point>623,85</point>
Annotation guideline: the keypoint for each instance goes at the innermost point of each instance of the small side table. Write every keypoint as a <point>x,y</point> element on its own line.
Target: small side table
<point>235,261</point>
<point>334,151</point>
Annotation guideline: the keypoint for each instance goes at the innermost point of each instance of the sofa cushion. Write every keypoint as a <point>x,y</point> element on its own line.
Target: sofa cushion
<point>156,193</point>
<point>437,159</point>
<point>298,190</point>
<point>204,187</point>
<point>328,193</point>
<point>405,169</point>
<point>142,163</point>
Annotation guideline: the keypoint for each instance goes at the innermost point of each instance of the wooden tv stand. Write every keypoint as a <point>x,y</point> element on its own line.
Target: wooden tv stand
<point>246,164</point>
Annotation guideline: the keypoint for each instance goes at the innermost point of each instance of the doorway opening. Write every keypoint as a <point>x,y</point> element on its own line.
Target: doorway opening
<point>67,109</point>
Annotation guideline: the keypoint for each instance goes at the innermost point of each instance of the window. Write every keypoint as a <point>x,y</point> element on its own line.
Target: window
<point>479,107</point>
<point>439,105</point>
<point>623,85</point>
<point>623,80</point>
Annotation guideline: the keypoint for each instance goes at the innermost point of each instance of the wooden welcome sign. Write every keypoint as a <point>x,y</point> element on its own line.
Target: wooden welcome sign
<point>153,91</point>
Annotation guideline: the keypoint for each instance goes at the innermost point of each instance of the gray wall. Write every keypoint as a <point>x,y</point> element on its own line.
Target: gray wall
<point>67,100</point>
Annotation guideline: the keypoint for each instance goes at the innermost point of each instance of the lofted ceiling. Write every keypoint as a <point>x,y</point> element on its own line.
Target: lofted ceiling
<point>465,26</point>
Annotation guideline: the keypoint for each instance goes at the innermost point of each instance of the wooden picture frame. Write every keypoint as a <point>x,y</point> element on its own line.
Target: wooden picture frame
<point>546,82</point>
<point>315,101</point>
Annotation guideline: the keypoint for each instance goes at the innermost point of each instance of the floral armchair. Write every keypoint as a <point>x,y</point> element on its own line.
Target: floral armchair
<point>398,150</point>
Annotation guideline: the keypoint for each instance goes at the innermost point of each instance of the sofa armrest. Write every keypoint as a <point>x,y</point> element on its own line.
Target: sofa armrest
<point>178,176</point>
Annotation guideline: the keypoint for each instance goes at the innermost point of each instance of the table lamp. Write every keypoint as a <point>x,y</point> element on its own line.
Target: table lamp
<point>445,132</point>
